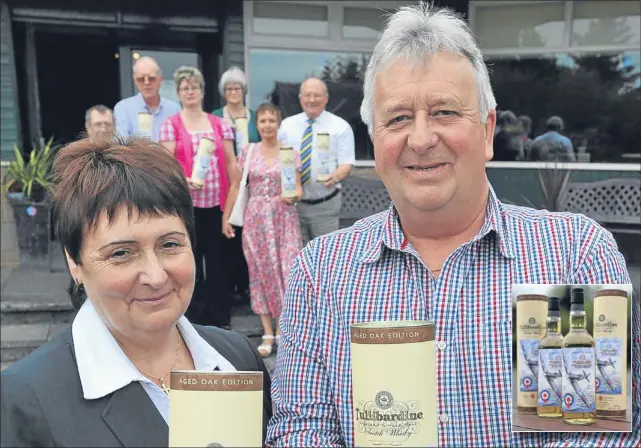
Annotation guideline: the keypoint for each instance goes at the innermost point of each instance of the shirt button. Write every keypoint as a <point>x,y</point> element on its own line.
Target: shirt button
<point>444,418</point>
<point>441,345</point>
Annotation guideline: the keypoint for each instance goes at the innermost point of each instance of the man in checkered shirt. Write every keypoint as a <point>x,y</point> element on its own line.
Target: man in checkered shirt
<point>447,250</point>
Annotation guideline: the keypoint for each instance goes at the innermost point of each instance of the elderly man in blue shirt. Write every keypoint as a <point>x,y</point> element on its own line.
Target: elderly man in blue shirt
<point>447,250</point>
<point>148,79</point>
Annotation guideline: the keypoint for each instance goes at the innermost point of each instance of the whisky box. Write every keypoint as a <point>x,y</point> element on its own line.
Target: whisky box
<point>287,171</point>
<point>201,163</point>
<point>145,124</point>
<point>610,343</point>
<point>531,315</point>
<point>394,384</point>
<point>216,409</point>
<point>326,160</point>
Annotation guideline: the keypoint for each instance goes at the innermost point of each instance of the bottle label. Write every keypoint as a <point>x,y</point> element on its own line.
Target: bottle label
<point>609,362</point>
<point>550,375</point>
<point>529,362</point>
<point>579,379</point>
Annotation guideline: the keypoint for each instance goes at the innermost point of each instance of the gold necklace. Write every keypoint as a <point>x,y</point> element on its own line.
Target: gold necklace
<point>161,380</point>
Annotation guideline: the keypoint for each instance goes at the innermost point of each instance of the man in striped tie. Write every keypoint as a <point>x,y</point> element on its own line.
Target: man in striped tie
<point>320,206</point>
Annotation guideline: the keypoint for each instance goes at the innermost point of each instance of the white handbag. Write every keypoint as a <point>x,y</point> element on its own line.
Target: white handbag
<point>237,215</point>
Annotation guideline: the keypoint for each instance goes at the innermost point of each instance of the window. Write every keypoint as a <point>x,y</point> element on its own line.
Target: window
<point>606,23</point>
<point>363,23</point>
<point>276,76</point>
<point>598,96</point>
<point>290,19</point>
<point>520,26</point>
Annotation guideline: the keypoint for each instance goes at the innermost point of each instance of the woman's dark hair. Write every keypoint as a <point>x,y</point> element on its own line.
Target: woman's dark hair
<point>91,177</point>
<point>268,107</point>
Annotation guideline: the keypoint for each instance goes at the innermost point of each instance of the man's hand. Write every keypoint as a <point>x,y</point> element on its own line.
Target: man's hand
<point>331,182</point>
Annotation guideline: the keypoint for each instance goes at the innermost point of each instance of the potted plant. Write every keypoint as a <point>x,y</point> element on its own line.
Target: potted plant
<point>27,186</point>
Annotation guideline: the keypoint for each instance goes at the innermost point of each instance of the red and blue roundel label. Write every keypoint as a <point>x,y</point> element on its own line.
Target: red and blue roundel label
<point>527,382</point>
<point>597,382</point>
<point>545,396</point>
<point>569,399</point>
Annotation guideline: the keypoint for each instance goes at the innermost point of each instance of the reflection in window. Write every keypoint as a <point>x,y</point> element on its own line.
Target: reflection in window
<point>597,96</point>
<point>363,23</point>
<point>520,26</point>
<point>290,19</point>
<point>276,75</point>
<point>606,23</point>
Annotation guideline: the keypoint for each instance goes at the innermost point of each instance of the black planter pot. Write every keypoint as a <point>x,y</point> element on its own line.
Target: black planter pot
<point>33,227</point>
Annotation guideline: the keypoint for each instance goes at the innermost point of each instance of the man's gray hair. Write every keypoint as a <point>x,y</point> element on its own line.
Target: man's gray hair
<point>416,32</point>
<point>100,108</point>
<point>232,76</point>
<point>190,74</point>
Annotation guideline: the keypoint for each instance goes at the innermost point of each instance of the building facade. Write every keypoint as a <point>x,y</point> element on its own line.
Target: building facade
<point>575,59</point>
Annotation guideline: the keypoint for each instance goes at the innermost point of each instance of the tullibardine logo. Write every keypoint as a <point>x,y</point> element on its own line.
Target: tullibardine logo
<point>389,421</point>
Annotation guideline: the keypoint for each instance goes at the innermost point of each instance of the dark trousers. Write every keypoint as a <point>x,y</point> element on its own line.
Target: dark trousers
<point>237,271</point>
<point>210,304</point>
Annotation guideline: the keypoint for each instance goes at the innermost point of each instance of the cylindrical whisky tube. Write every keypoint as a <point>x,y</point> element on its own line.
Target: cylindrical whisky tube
<point>145,124</point>
<point>610,341</point>
<point>323,149</point>
<point>216,409</point>
<point>394,384</point>
<point>201,163</point>
<point>242,134</point>
<point>287,171</point>
<point>531,313</point>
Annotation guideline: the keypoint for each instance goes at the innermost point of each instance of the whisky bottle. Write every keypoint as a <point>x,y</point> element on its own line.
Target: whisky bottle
<point>551,364</point>
<point>579,387</point>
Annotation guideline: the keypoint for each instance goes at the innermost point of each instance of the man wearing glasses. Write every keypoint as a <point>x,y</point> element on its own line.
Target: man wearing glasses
<point>319,209</point>
<point>145,112</point>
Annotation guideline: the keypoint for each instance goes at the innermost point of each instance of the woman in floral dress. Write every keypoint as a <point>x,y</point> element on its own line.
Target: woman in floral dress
<point>271,232</point>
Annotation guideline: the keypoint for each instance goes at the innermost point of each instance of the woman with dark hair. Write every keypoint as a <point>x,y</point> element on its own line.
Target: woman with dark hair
<point>124,218</point>
<point>271,237</point>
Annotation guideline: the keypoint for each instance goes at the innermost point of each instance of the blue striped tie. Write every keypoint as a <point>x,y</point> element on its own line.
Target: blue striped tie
<point>306,152</point>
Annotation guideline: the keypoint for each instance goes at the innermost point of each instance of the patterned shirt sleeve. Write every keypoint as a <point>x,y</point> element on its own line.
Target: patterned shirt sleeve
<point>304,412</point>
<point>228,132</point>
<point>604,264</point>
<point>167,132</point>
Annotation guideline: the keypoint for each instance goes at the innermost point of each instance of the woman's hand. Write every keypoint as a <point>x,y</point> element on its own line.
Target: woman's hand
<point>194,186</point>
<point>228,229</point>
<point>291,200</point>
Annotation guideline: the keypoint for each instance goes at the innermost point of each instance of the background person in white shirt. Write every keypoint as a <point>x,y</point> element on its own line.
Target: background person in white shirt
<point>320,206</point>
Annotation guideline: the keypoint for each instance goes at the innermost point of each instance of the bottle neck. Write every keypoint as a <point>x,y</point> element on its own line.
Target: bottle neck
<point>553,325</point>
<point>577,320</point>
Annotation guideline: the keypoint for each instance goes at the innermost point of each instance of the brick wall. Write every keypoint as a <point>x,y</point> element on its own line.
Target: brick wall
<point>9,254</point>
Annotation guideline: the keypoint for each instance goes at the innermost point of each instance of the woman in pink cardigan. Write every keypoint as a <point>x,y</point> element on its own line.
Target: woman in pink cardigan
<point>181,135</point>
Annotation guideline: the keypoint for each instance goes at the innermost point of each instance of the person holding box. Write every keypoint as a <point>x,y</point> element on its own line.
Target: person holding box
<point>203,145</point>
<point>447,251</point>
<point>271,234</point>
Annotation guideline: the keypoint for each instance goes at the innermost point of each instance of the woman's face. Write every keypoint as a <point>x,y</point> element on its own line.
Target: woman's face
<point>138,272</point>
<point>234,93</point>
<point>190,93</point>
<point>267,125</point>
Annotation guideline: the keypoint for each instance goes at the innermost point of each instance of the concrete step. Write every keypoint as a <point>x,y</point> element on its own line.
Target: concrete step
<point>24,331</point>
<point>16,313</point>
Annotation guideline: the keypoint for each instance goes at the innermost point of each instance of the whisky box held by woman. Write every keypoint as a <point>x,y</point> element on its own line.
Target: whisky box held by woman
<point>216,409</point>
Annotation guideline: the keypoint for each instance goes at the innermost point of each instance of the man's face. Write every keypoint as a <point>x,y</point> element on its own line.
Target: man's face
<point>429,143</point>
<point>313,97</point>
<point>100,125</point>
<point>147,79</point>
